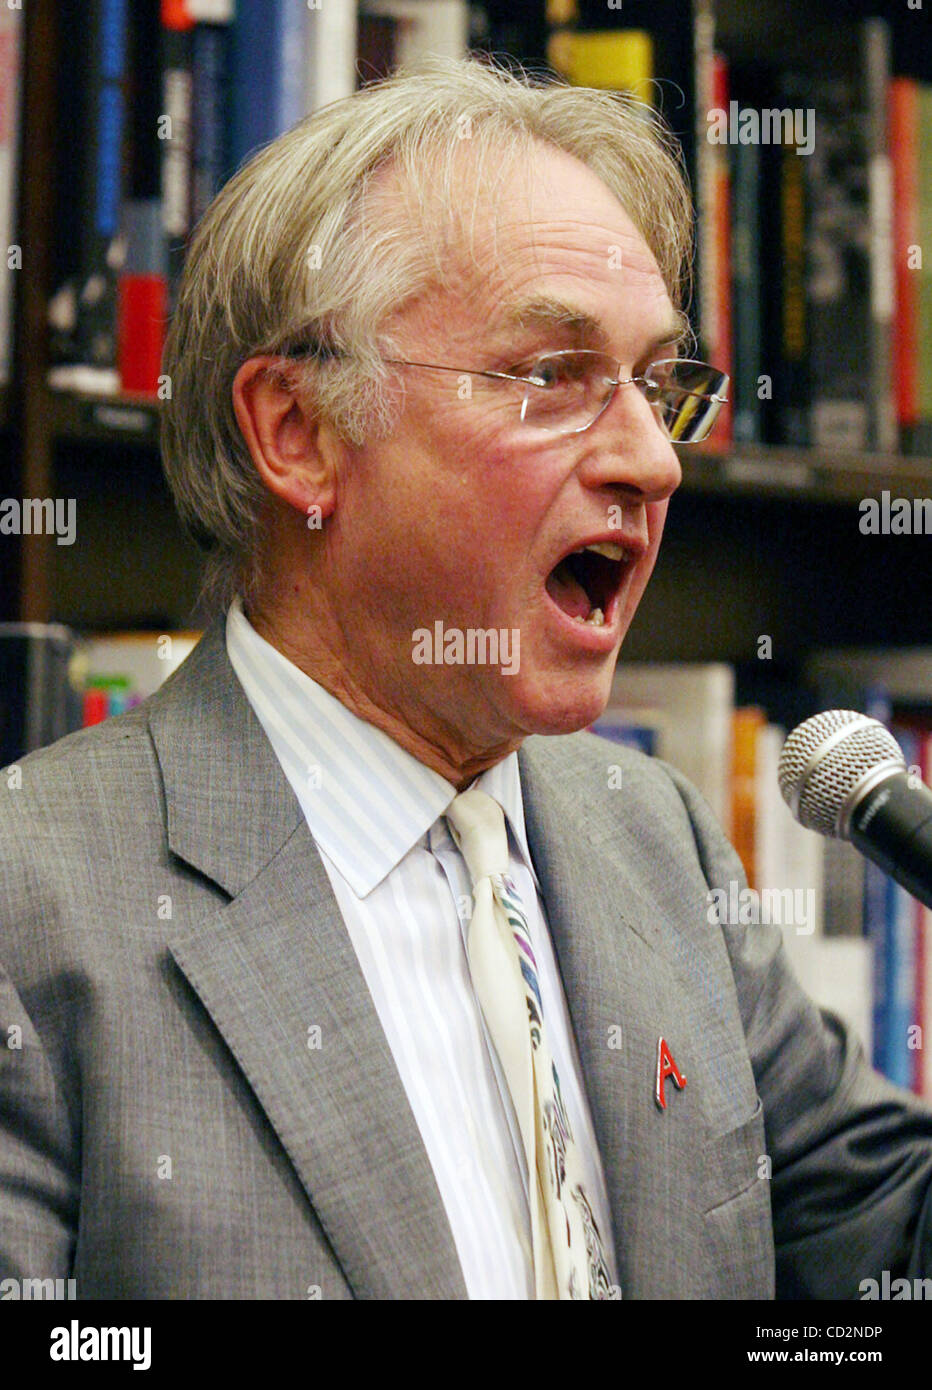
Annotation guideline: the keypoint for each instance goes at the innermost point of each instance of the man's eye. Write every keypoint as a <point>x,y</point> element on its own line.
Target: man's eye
<point>557,371</point>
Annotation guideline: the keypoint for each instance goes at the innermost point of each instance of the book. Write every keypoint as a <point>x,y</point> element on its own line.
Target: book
<point>134,663</point>
<point>922,1075</point>
<point>639,729</point>
<point>176,134</point>
<point>91,183</point>
<point>878,920</point>
<point>39,692</point>
<point>746,250</point>
<point>900,943</point>
<point>788,333</point>
<point>615,60</point>
<point>788,858</point>
<point>211,45</point>
<point>850,271</point>
<point>922,439</point>
<point>330,51</point>
<point>707,91</point>
<point>440,28</point>
<point>904,672</point>
<point>694,705</point>
<point>716,305</point>
<point>747,723</point>
<point>876,47</point>
<point>255,76</point>
<point>673,45</point>
<point>11,60</point>
<point>905,155</point>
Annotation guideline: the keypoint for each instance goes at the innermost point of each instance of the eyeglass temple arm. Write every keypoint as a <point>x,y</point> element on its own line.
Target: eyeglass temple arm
<point>464,371</point>
<point>532,381</point>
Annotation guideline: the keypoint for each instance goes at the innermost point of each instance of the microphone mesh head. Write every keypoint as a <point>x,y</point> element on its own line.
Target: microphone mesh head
<point>815,785</point>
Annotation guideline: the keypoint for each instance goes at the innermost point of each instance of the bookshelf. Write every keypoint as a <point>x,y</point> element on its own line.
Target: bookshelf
<point>758,503</point>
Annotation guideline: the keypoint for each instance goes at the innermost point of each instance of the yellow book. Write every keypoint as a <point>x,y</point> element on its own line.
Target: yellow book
<point>617,61</point>
<point>748,721</point>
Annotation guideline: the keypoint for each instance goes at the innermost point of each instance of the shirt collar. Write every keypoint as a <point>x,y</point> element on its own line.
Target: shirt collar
<point>367,801</point>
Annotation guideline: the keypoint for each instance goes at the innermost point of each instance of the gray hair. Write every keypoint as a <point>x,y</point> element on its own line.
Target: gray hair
<point>290,253</point>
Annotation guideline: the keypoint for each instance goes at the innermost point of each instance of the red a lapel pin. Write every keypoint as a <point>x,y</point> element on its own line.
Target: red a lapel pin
<point>666,1067</point>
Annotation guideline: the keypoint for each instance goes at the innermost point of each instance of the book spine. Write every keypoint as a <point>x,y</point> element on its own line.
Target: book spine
<point>176,134</point>
<point>923,1055</point>
<point>923,437</point>
<point>10,84</point>
<point>291,22</point>
<point>255,79</point>
<point>877,918</point>
<point>704,160</point>
<point>922,1074</point>
<point>210,59</point>
<point>629,733</point>
<point>104,164</point>
<point>839,277</point>
<point>330,40</point>
<point>904,149</point>
<point>720,259</point>
<point>901,958</point>
<point>793,388</point>
<point>876,59</point>
<point>746,281</point>
<point>747,724</point>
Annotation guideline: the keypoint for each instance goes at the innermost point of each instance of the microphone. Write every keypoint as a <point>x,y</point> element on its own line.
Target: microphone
<point>843,775</point>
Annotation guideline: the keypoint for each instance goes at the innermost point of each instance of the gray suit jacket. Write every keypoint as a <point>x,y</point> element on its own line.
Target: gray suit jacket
<point>168,936</point>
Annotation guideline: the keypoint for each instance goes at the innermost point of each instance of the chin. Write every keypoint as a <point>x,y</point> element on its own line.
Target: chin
<point>565,704</point>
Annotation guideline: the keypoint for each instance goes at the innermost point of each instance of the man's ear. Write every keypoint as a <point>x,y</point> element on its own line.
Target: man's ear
<point>291,449</point>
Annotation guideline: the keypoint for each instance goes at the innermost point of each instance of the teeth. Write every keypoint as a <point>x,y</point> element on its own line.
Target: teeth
<point>608,549</point>
<point>595,619</point>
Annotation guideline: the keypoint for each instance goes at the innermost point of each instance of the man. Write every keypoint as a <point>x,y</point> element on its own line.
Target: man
<point>332,977</point>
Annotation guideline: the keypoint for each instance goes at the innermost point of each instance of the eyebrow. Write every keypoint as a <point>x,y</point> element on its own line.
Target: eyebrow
<point>546,313</point>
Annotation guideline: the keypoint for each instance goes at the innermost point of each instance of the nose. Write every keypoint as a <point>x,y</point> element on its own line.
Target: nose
<point>628,449</point>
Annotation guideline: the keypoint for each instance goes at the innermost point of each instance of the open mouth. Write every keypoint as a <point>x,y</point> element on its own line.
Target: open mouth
<point>584,584</point>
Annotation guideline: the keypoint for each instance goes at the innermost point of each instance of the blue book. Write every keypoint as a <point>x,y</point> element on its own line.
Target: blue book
<point>268,72</point>
<point>877,916</point>
<point>210,58</point>
<point>643,737</point>
<point>103,36</point>
<point>901,956</point>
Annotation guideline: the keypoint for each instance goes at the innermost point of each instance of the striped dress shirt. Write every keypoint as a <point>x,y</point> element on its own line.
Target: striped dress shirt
<point>377,817</point>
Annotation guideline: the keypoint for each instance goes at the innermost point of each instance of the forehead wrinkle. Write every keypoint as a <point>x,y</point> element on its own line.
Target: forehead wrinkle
<point>548,312</point>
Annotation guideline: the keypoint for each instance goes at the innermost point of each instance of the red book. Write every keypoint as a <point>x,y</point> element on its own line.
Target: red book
<point>96,706</point>
<point>715,290</point>
<point>142,310</point>
<point>904,150</point>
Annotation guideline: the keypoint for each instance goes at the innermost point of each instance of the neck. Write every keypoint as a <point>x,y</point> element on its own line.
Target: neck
<point>328,662</point>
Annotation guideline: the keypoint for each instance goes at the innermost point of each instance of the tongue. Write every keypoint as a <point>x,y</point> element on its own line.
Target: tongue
<point>567,593</point>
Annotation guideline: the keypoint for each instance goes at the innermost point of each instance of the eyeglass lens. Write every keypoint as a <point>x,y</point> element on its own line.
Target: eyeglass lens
<point>572,389</point>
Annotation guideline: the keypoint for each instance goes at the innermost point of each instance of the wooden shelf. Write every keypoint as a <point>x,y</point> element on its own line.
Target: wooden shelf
<point>105,419</point>
<point>806,475</point>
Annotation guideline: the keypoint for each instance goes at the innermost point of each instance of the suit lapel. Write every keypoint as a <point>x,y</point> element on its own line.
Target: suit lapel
<point>614,971</point>
<point>276,962</point>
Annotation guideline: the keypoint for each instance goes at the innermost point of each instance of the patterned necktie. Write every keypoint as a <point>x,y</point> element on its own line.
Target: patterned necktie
<point>569,1258</point>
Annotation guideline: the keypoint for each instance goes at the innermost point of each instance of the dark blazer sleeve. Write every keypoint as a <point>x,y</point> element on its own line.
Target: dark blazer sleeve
<point>851,1154</point>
